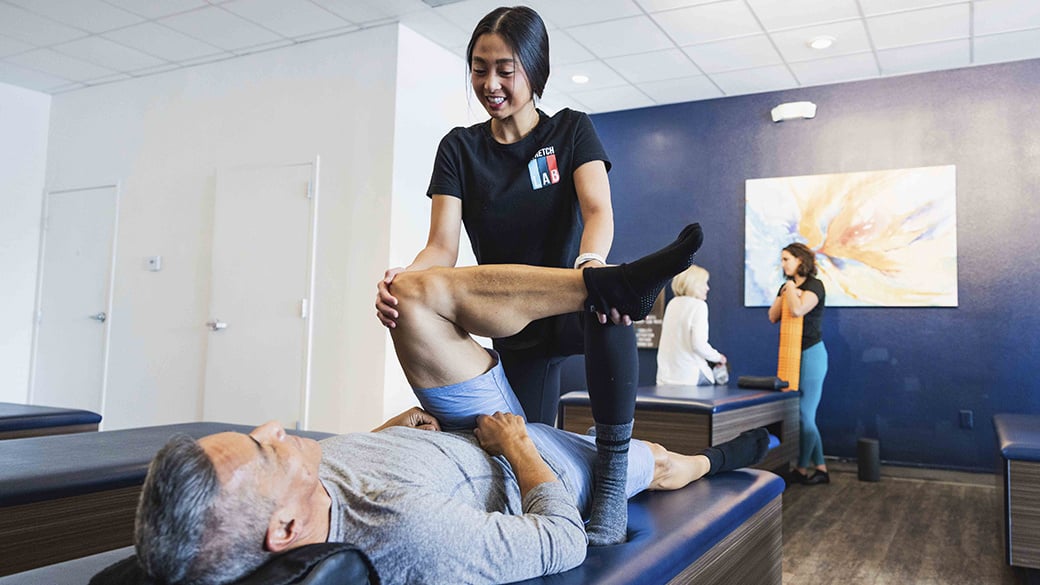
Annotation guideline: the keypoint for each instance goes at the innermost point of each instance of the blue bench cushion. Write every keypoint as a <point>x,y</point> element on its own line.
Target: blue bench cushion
<point>706,399</point>
<point>43,468</point>
<point>669,530</point>
<point>1019,436</point>
<point>18,417</point>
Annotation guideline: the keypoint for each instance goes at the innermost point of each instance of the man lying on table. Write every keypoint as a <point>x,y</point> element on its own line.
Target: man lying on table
<point>460,491</point>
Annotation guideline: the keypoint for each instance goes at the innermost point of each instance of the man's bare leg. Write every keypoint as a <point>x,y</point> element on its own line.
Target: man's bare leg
<point>675,470</point>
<point>439,307</point>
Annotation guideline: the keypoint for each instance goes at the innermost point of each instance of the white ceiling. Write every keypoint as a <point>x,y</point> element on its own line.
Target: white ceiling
<point>635,52</point>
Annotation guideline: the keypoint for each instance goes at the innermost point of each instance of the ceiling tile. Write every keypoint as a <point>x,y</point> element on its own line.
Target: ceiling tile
<point>29,78</point>
<point>948,55</point>
<point>659,5</point>
<point>466,15</point>
<point>355,11</point>
<point>162,42</point>
<point>291,18</point>
<point>687,89</point>
<point>773,78</point>
<point>995,16</point>
<point>434,27</point>
<point>564,49</point>
<point>1008,47</point>
<point>711,22</point>
<point>919,26</point>
<point>873,7</point>
<point>836,69</point>
<point>742,53</point>
<point>564,14</point>
<point>106,53</point>
<point>780,14</point>
<point>621,37</point>
<point>9,46</point>
<point>107,79</point>
<point>59,65</point>
<point>849,37</point>
<point>600,76</point>
<point>36,30</point>
<point>328,33</point>
<point>612,99</point>
<point>219,27</point>
<point>153,9</point>
<point>66,87</point>
<point>263,47</point>
<point>656,66</point>
<point>91,15</point>
<point>155,70</point>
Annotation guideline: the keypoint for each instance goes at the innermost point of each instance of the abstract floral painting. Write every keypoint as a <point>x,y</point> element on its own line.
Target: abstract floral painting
<point>882,238</point>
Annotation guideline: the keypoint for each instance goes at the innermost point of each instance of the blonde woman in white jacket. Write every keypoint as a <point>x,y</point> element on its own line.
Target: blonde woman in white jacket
<point>684,351</point>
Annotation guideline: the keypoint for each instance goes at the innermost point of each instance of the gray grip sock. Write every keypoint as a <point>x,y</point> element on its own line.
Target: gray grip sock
<point>608,522</point>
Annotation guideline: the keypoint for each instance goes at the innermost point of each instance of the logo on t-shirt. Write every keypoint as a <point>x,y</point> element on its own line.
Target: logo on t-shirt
<point>543,168</point>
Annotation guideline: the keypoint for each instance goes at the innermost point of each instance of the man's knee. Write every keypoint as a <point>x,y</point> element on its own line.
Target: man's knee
<point>424,288</point>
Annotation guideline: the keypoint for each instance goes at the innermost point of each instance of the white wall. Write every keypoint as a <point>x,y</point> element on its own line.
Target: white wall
<point>164,137</point>
<point>432,91</point>
<point>24,116</point>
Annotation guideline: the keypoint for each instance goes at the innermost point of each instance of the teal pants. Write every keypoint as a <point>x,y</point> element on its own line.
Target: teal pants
<point>810,382</point>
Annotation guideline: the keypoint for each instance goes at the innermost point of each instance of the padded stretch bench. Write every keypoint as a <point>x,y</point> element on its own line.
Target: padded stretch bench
<point>1018,436</point>
<point>718,531</point>
<point>27,420</point>
<point>687,419</point>
<point>67,496</point>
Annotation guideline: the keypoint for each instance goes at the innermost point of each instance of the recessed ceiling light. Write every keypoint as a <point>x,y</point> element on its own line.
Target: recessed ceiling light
<point>579,78</point>
<point>821,42</point>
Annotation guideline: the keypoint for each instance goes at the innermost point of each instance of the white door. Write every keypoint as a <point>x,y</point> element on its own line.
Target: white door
<point>258,334</point>
<point>72,318</point>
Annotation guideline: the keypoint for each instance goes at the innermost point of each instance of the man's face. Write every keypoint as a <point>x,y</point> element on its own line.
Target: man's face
<point>282,466</point>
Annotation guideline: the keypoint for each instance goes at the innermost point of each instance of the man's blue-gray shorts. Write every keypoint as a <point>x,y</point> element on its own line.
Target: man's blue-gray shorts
<point>570,455</point>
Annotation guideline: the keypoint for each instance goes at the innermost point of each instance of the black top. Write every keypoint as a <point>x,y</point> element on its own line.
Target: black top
<point>519,203</point>
<point>812,324</point>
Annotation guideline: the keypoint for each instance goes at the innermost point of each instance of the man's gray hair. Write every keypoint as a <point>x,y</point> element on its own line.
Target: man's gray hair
<point>190,531</point>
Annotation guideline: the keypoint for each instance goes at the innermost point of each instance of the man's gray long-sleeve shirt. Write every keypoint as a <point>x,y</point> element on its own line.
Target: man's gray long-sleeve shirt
<point>433,507</point>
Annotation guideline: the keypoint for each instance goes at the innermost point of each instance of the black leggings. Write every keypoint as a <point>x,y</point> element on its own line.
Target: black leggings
<point>611,375</point>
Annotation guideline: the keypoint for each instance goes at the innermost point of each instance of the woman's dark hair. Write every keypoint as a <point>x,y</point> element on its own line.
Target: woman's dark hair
<point>807,265</point>
<point>523,30</point>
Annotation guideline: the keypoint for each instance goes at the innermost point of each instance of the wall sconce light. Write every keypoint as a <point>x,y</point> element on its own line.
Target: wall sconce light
<point>793,110</point>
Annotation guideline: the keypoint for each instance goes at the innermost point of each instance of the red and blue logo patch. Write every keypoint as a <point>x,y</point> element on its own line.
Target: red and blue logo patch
<point>542,168</point>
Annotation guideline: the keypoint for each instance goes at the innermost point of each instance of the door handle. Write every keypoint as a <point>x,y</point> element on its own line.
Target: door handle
<point>216,325</point>
<point>100,317</point>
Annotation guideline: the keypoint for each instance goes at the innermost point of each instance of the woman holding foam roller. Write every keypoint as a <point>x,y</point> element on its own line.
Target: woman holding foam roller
<point>804,295</point>
<point>533,189</point>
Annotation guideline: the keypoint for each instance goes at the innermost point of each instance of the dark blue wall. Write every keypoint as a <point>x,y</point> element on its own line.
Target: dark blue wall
<point>898,374</point>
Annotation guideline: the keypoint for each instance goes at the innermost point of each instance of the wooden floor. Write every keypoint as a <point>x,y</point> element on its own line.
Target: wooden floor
<point>933,531</point>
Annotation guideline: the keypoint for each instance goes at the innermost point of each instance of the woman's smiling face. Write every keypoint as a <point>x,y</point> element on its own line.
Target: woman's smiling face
<point>498,78</point>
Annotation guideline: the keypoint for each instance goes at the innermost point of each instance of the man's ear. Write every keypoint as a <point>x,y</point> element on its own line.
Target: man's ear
<point>282,531</point>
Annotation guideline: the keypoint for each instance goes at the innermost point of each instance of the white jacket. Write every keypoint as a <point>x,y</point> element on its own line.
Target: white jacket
<point>684,351</point>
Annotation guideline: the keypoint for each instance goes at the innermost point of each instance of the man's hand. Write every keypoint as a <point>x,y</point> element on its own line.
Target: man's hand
<point>414,417</point>
<point>506,434</point>
<point>502,433</point>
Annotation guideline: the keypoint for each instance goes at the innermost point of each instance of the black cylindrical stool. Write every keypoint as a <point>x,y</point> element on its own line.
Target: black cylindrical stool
<point>868,458</point>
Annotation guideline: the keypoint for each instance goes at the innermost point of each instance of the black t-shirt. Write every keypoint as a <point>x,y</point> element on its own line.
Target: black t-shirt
<point>812,323</point>
<point>519,204</point>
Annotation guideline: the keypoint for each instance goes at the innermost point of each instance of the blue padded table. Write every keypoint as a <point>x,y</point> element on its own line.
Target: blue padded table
<point>27,420</point>
<point>67,496</point>
<point>687,419</point>
<point>1018,437</point>
<point>717,531</point>
<point>720,530</point>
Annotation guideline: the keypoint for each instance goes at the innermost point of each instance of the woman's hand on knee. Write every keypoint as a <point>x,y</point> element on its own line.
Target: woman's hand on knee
<point>386,303</point>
